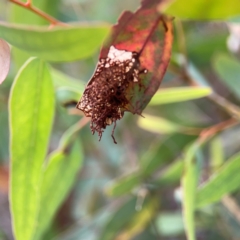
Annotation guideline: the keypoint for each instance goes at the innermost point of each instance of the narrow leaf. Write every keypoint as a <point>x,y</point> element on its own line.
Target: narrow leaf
<point>140,220</point>
<point>163,152</point>
<point>4,60</point>
<point>156,155</point>
<point>196,9</point>
<point>216,151</point>
<point>31,116</point>
<point>170,95</point>
<point>124,184</point>
<point>164,126</point>
<point>171,174</point>
<point>57,44</point>
<point>158,124</point>
<point>120,218</point>
<point>61,79</point>
<point>58,178</point>
<point>189,185</point>
<point>224,181</point>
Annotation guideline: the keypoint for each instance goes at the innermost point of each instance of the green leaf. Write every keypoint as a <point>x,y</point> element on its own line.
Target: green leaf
<point>68,136</point>
<point>149,163</point>
<point>170,95</point>
<point>140,219</point>
<point>20,15</point>
<point>158,125</point>
<point>68,89</point>
<point>120,219</point>
<point>59,176</point>
<point>66,95</point>
<point>202,9</point>
<point>31,116</point>
<point>124,184</point>
<point>163,152</point>
<point>171,174</point>
<point>58,44</point>
<point>228,70</point>
<point>224,181</point>
<point>126,222</point>
<point>61,79</point>
<point>163,126</point>
<point>157,154</point>
<point>216,151</point>
<point>189,185</point>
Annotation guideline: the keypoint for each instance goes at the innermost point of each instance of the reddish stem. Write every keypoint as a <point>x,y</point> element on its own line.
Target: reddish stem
<point>28,5</point>
<point>213,130</point>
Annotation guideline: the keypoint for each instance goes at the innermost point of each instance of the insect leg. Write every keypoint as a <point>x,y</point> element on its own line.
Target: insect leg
<point>113,133</point>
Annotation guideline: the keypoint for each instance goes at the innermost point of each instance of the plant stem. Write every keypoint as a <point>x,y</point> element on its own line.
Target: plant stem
<point>28,5</point>
<point>213,130</point>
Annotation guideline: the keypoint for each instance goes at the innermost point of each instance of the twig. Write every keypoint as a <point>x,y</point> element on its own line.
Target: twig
<point>28,5</point>
<point>231,108</point>
<point>232,206</point>
<point>211,131</point>
<point>80,124</point>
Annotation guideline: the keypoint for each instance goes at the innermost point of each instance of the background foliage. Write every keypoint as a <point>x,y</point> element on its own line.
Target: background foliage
<point>173,174</point>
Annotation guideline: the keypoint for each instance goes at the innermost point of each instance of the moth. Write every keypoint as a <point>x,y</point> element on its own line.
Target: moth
<point>105,97</point>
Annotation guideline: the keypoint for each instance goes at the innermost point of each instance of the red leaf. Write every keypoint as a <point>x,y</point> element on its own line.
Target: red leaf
<point>4,60</point>
<point>131,66</point>
<point>150,34</point>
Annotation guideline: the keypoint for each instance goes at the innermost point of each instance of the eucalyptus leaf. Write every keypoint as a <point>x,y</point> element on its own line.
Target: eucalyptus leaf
<point>31,117</point>
<point>224,181</point>
<point>59,44</point>
<point>124,184</point>
<point>163,126</point>
<point>158,124</point>
<point>170,95</point>
<point>189,186</point>
<point>120,218</point>
<point>58,178</point>
<point>61,79</point>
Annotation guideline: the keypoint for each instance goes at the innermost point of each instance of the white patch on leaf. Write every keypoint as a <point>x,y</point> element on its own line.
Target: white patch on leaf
<point>119,55</point>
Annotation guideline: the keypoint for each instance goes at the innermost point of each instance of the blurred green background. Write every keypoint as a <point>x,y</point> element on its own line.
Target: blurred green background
<point>132,190</point>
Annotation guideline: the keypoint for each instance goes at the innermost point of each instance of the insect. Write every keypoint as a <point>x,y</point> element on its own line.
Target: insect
<point>105,96</point>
